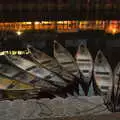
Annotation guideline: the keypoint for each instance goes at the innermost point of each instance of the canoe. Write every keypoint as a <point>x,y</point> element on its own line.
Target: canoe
<point>10,94</point>
<point>11,84</point>
<point>49,63</point>
<point>65,59</point>
<point>103,73</point>
<point>85,62</point>
<point>67,62</point>
<point>13,72</point>
<point>40,72</point>
<point>43,59</point>
<point>116,82</point>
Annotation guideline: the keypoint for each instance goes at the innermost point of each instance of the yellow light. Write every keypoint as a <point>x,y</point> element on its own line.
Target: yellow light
<point>37,22</point>
<point>111,29</point>
<point>19,32</point>
<point>45,22</point>
<point>65,22</point>
<point>85,22</point>
<point>114,31</point>
<point>59,22</point>
<point>98,21</point>
<point>29,23</point>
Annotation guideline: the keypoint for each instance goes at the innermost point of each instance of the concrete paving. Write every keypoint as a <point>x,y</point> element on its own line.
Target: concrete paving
<point>51,108</point>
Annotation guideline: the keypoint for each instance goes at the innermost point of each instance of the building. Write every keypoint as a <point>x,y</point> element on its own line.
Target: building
<point>30,10</point>
<point>59,15</point>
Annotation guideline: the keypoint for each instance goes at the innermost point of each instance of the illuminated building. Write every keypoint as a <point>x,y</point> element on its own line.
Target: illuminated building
<point>59,15</point>
<point>62,26</point>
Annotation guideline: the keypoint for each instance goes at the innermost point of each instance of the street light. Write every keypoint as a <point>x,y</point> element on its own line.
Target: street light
<point>19,33</point>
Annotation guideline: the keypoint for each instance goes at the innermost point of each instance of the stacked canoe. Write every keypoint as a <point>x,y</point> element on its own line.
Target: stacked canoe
<point>40,75</point>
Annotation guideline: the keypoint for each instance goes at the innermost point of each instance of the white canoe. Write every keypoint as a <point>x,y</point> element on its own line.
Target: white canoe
<point>84,61</point>
<point>49,63</point>
<point>44,59</point>
<point>65,59</point>
<point>35,70</point>
<point>103,73</point>
<point>67,62</point>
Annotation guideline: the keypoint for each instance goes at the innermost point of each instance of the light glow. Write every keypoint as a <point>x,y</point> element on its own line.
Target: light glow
<point>29,23</point>
<point>114,31</point>
<point>36,22</point>
<point>45,22</point>
<point>59,22</point>
<point>19,33</point>
<point>14,52</point>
